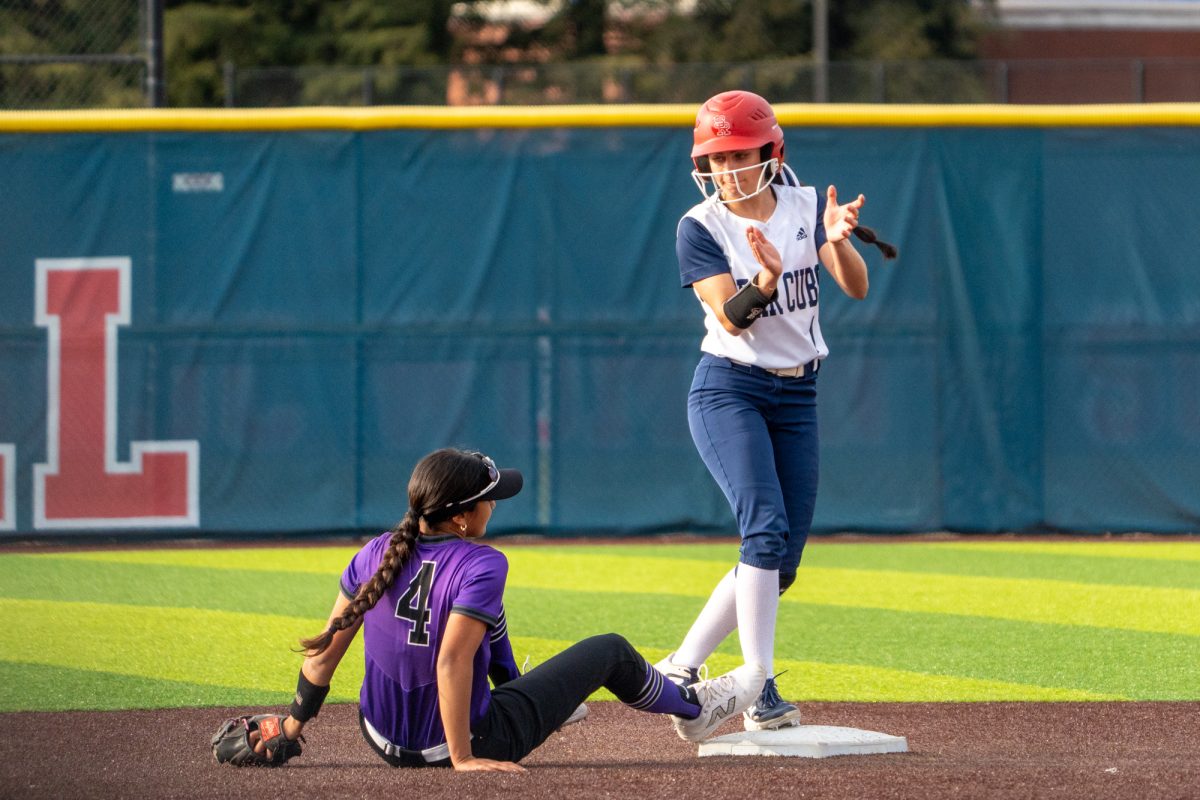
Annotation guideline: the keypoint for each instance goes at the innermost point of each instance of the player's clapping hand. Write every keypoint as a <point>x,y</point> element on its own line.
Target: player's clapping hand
<point>487,765</point>
<point>840,220</point>
<point>764,252</point>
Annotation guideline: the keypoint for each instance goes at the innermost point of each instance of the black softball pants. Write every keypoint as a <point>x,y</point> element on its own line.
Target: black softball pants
<point>524,712</point>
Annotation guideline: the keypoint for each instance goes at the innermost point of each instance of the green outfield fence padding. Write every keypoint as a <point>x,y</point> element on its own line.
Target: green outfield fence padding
<point>311,310</point>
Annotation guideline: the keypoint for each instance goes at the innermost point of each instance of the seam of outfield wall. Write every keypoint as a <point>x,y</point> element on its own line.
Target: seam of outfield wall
<point>452,117</point>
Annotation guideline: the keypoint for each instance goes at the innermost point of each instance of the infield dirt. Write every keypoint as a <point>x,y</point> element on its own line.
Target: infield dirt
<point>1105,751</point>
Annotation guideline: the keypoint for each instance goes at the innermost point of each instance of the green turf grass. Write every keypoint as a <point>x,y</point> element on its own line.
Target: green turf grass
<point>888,621</point>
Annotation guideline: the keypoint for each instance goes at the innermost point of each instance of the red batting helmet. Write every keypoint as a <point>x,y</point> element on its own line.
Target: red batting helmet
<point>736,120</point>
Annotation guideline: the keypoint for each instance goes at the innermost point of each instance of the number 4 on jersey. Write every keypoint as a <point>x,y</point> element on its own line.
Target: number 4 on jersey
<point>413,605</point>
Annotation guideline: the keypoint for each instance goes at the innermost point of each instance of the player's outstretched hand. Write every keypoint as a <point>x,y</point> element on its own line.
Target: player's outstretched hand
<point>840,221</point>
<point>487,765</point>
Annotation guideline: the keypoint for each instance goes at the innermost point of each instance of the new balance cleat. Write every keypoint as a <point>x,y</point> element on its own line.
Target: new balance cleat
<point>678,674</point>
<point>770,711</point>
<point>721,699</point>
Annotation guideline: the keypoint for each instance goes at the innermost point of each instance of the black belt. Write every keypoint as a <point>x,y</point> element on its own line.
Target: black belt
<point>437,756</point>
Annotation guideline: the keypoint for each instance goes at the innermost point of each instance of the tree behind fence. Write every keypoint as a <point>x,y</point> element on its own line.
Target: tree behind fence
<point>73,53</point>
<point>1116,80</point>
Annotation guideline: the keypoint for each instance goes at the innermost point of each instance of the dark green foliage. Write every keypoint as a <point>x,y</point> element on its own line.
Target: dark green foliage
<point>756,30</point>
<point>902,30</point>
<point>725,31</point>
<point>72,28</point>
<point>202,36</point>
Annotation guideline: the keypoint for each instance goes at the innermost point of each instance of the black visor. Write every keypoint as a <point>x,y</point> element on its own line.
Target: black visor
<point>502,484</point>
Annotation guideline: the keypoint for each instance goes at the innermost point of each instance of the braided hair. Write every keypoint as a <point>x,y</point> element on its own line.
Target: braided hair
<point>438,480</point>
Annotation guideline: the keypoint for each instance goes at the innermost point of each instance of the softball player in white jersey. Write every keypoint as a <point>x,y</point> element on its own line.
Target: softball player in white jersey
<point>752,253</point>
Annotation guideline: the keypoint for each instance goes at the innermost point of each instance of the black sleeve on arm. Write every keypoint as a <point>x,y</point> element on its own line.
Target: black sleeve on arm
<point>746,305</point>
<point>504,666</point>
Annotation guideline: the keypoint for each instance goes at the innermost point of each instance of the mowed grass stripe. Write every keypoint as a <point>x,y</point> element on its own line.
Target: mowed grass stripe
<point>1135,608</point>
<point>295,594</point>
<point>1152,550</point>
<point>1003,563</point>
<point>821,680</point>
<point>36,686</point>
<point>315,560</point>
<point>1161,609</point>
<point>945,646</point>
<point>210,648</point>
<point>1126,664</point>
<point>720,548</point>
<point>1165,564</point>
<point>982,656</point>
<point>1164,610</point>
<point>1101,661</point>
<point>825,680</point>
<point>39,687</point>
<point>1168,565</point>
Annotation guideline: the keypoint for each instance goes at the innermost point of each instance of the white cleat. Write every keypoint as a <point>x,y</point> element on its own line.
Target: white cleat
<point>721,699</point>
<point>679,674</point>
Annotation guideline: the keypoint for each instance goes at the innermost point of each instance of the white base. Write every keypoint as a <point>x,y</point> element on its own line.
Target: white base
<point>805,741</point>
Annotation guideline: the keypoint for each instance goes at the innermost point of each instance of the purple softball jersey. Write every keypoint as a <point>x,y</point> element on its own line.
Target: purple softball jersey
<point>402,632</point>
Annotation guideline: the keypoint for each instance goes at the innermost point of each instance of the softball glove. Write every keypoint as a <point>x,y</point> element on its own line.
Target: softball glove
<point>231,743</point>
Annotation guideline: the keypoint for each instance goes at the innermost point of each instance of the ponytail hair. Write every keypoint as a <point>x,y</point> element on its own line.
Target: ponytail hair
<point>438,482</point>
<point>868,235</point>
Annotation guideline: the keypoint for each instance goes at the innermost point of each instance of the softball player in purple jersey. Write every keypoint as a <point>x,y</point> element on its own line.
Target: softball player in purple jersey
<point>429,599</point>
<point>752,253</point>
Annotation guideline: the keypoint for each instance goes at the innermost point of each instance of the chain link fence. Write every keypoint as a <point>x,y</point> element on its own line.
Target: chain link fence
<point>107,53</point>
<point>569,83</point>
<point>795,81</point>
<point>73,53</point>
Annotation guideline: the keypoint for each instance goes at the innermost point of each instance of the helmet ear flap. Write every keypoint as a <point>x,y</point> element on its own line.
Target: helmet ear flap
<point>766,153</point>
<point>771,150</point>
<point>701,163</point>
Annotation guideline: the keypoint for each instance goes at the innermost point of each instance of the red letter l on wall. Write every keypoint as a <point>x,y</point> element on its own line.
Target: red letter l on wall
<point>81,302</point>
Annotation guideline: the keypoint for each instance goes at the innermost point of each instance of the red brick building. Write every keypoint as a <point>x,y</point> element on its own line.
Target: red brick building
<point>1111,51</point>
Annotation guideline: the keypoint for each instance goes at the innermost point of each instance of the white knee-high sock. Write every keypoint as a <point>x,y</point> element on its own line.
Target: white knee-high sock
<point>717,620</point>
<point>757,592</point>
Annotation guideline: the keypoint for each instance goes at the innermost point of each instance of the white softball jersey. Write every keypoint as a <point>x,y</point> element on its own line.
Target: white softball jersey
<point>711,240</point>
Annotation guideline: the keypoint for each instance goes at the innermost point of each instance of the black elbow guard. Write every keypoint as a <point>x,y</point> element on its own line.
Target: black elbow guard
<point>747,305</point>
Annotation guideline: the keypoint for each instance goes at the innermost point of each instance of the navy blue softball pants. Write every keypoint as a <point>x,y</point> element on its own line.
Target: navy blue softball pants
<point>757,434</point>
